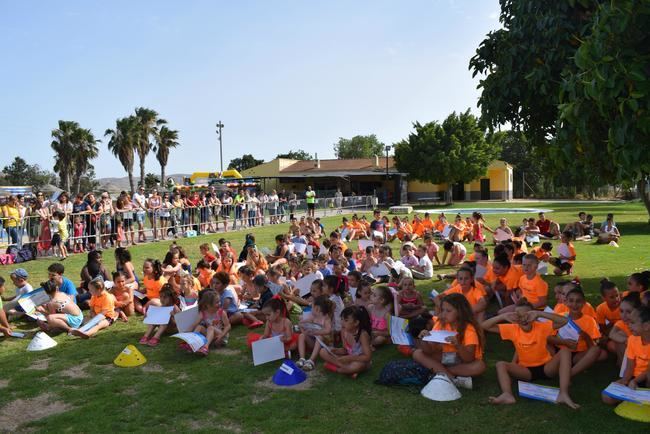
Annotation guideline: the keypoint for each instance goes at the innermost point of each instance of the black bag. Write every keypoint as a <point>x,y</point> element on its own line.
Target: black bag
<point>26,253</point>
<point>13,251</point>
<point>404,373</point>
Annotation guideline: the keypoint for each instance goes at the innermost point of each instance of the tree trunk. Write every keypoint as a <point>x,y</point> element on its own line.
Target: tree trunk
<point>142,171</point>
<point>131,182</point>
<point>67,181</point>
<point>163,184</point>
<point>641,188</point>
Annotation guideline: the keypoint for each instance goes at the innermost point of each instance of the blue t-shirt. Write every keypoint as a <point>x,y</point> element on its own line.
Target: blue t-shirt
<point>228,293</point>
<point>67,287</point>
<point>352,265</point>
<point>325,271</point>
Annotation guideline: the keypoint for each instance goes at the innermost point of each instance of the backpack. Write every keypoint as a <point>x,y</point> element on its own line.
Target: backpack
<point>26,253</point>
<point>404,373</point>
<point>6,259</point>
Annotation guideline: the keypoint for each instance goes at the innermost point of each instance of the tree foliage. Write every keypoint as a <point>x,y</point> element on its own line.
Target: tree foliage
<point>245,162</point>
<point>151,181</point>
<point>359,147</point>
<point>166,139</point>
<point>296,155</point>
<point>147,124</point>
<point>19,172</point>
<point>449,152</point>
<point>74,147</point>
<point>122,143</point>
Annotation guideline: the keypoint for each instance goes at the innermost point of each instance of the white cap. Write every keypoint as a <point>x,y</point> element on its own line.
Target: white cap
<point>42,341</point>
<point>440,388</point>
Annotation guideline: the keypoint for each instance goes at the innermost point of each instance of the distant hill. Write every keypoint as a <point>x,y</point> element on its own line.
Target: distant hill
<point>115,185</point>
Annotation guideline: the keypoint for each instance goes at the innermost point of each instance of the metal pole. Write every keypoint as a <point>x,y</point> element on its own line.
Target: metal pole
<point>220,126</point>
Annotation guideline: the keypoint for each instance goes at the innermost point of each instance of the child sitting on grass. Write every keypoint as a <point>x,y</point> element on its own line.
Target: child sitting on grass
<point>532,361</point>
<point>154,332</point>
<point>318,323</point>
<point>102,302</point>
<point>609,311</point>
<point>123,296</point>
<point>620,332</point>
<point>61,311</point>
<point>356,355</point>
<point>212,323</point>
<point>380,309</point>
<point>409,300</point>
<point>277,324</point>
<point>566,255</point>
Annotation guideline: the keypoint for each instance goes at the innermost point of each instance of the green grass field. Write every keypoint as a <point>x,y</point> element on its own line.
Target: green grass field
<point>75,387</point>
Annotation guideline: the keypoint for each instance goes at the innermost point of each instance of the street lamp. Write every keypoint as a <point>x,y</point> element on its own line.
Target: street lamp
<point>220,126</point>
<point>388,148</point>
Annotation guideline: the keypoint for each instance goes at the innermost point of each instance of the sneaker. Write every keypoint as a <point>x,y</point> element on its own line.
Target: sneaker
<point>463,382</point>
<point>300,363</point>
<point>308,366</point>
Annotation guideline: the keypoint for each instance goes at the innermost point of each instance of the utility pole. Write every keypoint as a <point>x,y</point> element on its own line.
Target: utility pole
<point>220,126</point>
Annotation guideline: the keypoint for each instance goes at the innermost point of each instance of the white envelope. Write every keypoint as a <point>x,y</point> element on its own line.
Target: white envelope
<point>540,393</point>
<point>570,331</point>
<point>186,319</point>
<point>624,393</point>
<point>304,284</point>
<point>379,270</point>
<point>310,252</point>
<point>398,333</point>
<point>267,350</point>
<point>158,315</point>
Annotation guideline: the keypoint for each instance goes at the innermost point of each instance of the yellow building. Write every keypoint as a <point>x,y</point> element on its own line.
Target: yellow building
<point>367,176</point>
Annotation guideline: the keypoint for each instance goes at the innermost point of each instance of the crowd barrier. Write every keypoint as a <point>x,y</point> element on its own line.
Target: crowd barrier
<point>106,229</point>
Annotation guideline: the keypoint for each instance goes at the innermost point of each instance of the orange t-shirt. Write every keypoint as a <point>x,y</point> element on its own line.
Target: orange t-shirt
<point>104,304</point>
<point>153,286</point>
<point>620,324</point>
<point>606,316</point>
<point>510,279</point>
<point>439,225</point>
<point>428,225</point>
<point>530,346</point>
<point>533,289</point>
<point>588,325</point>
<point>473,296</point>
<point>470,338</point>
<point>205,276</point>
<point>563,309</point>
<point>418,229</point>
<point>540,254</point>
<point>639,352</point>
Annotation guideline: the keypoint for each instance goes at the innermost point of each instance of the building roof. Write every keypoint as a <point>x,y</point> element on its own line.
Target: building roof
<point>346,165</point>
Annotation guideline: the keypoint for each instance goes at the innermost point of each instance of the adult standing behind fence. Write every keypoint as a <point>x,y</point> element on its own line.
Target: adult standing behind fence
<point>11,217</point>
<point>140,203</point>
<point>310,196</point>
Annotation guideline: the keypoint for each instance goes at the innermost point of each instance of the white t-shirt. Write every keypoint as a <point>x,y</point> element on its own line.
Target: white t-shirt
<point>273,201</point>
<point>428,266</point>
<point>140,200</point>
<point>27,288</point>
<point>338,308</point>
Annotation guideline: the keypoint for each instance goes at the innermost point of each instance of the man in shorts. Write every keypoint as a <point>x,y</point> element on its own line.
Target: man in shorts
<point>140,204</point>
<point>310,196</point>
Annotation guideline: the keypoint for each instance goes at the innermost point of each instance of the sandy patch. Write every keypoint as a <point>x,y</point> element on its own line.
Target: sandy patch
<point>257,399</point>
<point>130,391</point>
<point>4,383</point>
<point>152,367</point>
<point>39,365</point>
<point>227,352</point>
<point>78,371</point>
<point>23,411</point>
<point>180,377</point>
<point>230,427</point>
<point>313,378</point>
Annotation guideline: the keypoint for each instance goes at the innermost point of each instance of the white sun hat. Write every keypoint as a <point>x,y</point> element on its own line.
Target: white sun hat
<point>440,388</point>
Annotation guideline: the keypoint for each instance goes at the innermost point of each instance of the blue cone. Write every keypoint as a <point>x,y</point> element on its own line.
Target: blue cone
<point>289,374</point>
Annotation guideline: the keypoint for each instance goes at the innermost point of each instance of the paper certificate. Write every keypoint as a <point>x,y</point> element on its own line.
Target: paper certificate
<point>304,284</point>
<point>570,332</point>
<point>325,346</point>
<point>379,270</point>
<point>398,333</point>
<point>158,315</point>
<point>439,336</point>
<point>364,244</point>
<point>186,319</point>
<point>139,295</point>
<point>267,350</point>
<point>540,393</point>
<point>194,340</point>
<point>624,393</point>
<point>92,323</point>
<point>30,301</point>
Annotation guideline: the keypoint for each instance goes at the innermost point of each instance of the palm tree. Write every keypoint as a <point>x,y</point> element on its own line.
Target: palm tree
<point>123,142</point>
<point>148,123</point>
<point>63,145</point>
<point>84,150</point>
<point>165,140</point>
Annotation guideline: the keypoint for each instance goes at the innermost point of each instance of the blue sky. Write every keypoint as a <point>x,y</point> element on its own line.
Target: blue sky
<point>281,75</point>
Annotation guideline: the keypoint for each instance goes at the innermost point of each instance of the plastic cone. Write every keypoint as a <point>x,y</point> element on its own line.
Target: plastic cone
<point>637,412</point>
<point>42,341</point>
<point>289,374</point>
<point>130,357</point>
<point>440,388</point>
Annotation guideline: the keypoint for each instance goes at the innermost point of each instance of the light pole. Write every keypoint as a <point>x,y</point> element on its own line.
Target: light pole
<point>388,148</point>
<point>220,126</point>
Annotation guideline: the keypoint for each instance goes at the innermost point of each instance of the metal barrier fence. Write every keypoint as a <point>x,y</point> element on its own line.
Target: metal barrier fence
<point>90,230</point>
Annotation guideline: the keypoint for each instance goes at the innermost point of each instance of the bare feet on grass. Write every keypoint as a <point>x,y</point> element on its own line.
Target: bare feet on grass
<point>79,333</point>
<point>504,398</point>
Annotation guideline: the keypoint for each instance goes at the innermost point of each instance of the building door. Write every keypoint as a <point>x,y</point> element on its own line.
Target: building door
<point>485,189</point>
<point>458,191</point>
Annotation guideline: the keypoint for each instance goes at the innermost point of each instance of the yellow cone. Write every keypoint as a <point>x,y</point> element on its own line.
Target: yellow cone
<point>130,357</point>
<point>637,412</point>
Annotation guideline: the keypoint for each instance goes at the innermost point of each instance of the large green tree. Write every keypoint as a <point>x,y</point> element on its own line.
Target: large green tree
<point>166,139</point>
<point>148,124</point>
<point>19,172</point>
<point>63,142</point>
<point>449,152</point>
<point>122,143</point>
<point>84,150</point>
<point>359,147</point>
<point>246,161</point>
<point>296,155</point>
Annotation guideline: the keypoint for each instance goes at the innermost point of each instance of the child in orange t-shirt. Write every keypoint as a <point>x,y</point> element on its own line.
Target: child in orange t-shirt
<point>609,311</point>
<point>531,285</point>
<point>206,254</point>
<point>462,356</point>
<point>561,289</point>
<point>533,361</point>
<point>473,291</point>
<point>566,255</point>
<point>101,303</point>
<point>585,350</point>
<point>543,252</point>
<point>205,273</point>
<point>620,332</point>
<point>637,369</point>
<point>152,283</point>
